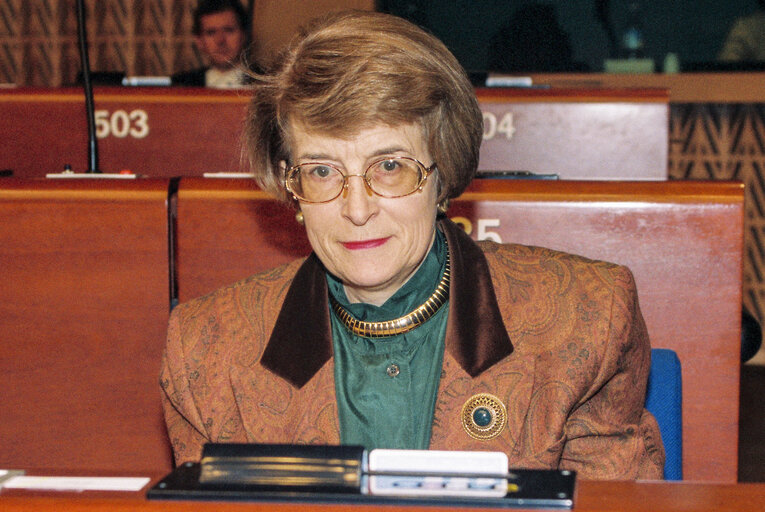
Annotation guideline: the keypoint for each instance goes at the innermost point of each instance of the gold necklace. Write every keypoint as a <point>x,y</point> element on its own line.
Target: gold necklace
<point>402,324</point>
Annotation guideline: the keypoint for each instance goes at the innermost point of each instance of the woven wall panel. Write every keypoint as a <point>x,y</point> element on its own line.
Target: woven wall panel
<point>727,142</point>
<point>10,40</point>
<point>38,39</point>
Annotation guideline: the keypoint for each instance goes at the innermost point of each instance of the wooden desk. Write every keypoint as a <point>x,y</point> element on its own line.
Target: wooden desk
<point>86,295</point>
<point>156,132</point>
<point>590,497</point>
<point>590,134</point>
<point>585,134</point>
<point>716,132</point>
<point>683,242</point>
<point>82,320</point>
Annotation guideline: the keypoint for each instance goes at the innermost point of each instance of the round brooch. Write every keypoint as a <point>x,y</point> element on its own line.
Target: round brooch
<point>484,416</point>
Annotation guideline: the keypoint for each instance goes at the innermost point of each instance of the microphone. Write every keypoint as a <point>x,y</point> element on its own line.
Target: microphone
<point>93,170</point>
<point>82,37</point>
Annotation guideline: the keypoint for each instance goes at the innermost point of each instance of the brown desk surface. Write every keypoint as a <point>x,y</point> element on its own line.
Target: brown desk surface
<point>733,87</point>
<point>161,132</point>
<point>590,497</point>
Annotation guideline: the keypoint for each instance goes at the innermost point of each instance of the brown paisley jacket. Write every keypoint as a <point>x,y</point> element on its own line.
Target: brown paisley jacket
<point>252,362</point>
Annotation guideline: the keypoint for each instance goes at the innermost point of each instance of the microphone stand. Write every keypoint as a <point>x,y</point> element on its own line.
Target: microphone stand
<point>88,86</point>
<point>603,15</point>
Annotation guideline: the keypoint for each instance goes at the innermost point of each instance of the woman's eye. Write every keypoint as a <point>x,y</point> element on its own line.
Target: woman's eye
<point>320,171</point>
<point>389,165</point>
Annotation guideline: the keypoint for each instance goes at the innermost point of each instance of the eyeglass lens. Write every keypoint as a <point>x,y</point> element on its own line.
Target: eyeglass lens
<point>391,177</point>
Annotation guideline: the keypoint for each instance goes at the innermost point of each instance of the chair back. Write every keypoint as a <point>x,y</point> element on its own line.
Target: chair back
<point>664,399</point>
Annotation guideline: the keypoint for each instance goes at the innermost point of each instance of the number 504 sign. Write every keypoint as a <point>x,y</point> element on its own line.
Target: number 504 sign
<point>498,125</point>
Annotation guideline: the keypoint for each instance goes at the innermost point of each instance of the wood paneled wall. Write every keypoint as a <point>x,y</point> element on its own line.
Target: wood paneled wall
<point>38,39</point>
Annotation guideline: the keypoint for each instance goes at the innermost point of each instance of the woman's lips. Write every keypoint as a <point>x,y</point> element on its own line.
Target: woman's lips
<point>364,244</point>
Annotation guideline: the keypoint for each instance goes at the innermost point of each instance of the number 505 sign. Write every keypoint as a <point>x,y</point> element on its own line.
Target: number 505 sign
<point>482,225</point>
<point>122,124</point>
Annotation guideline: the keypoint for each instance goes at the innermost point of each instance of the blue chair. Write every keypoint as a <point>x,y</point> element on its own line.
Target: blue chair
<point>664,399</point>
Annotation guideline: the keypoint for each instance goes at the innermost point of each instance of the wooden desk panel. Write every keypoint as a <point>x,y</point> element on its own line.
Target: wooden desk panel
<point>579,134</point>
<point>595,134</point>
<point>590,497</point>
<point>228,229</point>
<point>682,240</point>
<point>155,132</point>
<point>83,317</point>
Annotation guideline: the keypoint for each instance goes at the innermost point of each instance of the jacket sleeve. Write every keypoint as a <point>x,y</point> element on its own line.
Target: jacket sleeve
<point>184,424</point>
<point>609,434</point>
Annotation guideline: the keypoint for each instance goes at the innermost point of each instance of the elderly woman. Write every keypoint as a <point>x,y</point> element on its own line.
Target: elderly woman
<point>399,331</point>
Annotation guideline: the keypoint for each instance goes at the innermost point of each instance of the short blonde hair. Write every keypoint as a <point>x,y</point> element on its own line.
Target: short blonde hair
<point>352,70</point>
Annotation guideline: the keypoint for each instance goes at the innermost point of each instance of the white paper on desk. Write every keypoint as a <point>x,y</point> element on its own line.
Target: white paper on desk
<point>77,483</point>
<point>228,175</point>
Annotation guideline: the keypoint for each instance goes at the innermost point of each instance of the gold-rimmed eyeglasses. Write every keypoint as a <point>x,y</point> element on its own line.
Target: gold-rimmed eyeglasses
<point>317,182</point>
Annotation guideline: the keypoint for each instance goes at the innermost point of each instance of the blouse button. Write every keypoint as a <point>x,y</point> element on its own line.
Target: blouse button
<point>392,370</point>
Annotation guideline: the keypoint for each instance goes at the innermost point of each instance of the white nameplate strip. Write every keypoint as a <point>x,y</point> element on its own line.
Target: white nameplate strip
<point>77,483</point>
<point>437,473</point>
<point>90,176</point>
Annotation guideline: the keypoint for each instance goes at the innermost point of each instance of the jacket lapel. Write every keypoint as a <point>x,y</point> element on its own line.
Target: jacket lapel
<point>475,334</point>
<point>476,340</point>
<point>301,342</point>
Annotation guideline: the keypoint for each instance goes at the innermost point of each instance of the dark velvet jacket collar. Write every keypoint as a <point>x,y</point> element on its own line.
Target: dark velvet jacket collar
<point>301,342</point>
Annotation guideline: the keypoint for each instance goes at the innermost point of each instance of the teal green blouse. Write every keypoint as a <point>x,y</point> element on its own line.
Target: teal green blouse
<point>386,388</point>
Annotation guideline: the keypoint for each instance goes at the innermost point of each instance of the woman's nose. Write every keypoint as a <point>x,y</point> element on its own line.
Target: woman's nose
<point>359,202</point>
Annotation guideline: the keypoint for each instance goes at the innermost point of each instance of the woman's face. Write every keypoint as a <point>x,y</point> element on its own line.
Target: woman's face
<point>371,243</point>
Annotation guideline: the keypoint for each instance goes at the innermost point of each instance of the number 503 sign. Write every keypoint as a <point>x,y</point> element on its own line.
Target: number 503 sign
<point>122,124</point>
